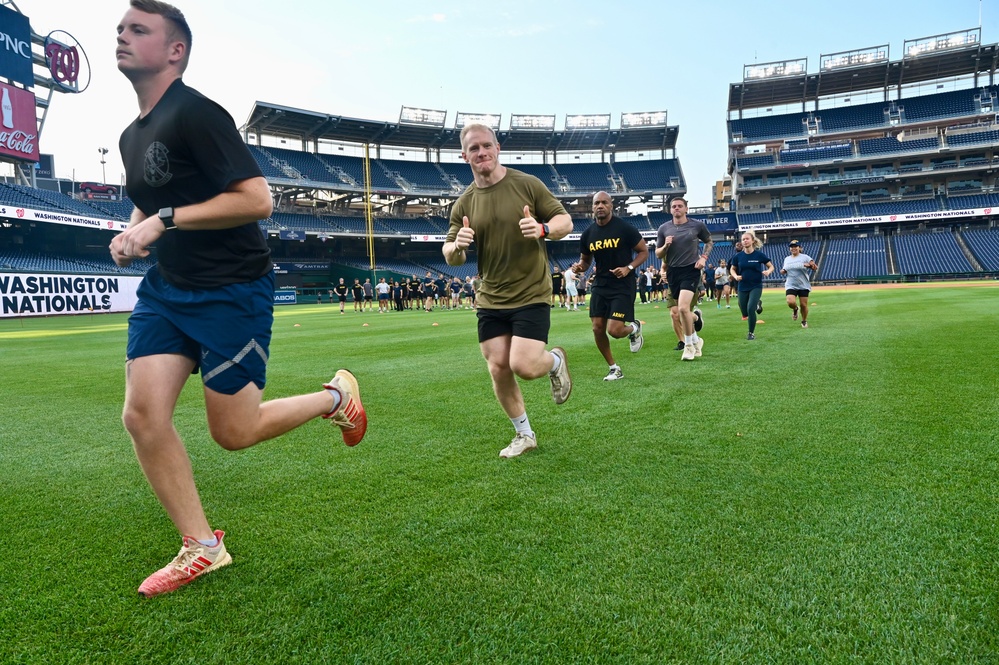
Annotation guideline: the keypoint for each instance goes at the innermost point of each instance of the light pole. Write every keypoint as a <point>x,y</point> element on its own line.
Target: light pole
<point>104,175</point>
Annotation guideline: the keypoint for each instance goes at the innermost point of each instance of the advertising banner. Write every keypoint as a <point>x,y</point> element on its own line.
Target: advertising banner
<point>67,218</point>
<point>285,297</point>
<point>34,294</point>
<point>18,124</point>
<point>876,219</point>
<point>15,47</point>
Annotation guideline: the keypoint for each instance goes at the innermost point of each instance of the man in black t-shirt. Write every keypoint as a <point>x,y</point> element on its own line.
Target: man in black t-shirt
<point>341,293</point>
<point>441,292</point>
<point>618,249</point>
<point>429,291</point>
<point>357,291</point>
<point>557,287</point>
<point>208,303</point>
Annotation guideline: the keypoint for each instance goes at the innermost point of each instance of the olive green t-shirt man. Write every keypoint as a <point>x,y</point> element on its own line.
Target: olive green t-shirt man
<point>514,269</point>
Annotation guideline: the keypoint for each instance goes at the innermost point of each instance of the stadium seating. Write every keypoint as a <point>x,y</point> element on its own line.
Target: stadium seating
<point>36,262</point>
<point>650,175</point>
<point>990,137</point>
<point>418,227</point>
<point>266,163</point>
<point>817,212</point>
<point>421,176</point>
<point>954,104</point>
<point>851,118</point>
<point>849,258</point>
<point>755,161</point>
<point>543,172</point>
<point>586,177</point>
<point>757,218</point>
<point>298,222</point>
<point>768,127</point>
<point>973,201</point>
<point>898,207</point>
<point>457,172</point>
<point>121,210</point>
<point>984,245</point>
<point>29,197</point>
<point>891,145</point>
<point>306,164</point>
<point>923,253</point>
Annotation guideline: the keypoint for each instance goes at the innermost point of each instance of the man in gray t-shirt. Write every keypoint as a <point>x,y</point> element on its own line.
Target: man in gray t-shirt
<point>677,244</point>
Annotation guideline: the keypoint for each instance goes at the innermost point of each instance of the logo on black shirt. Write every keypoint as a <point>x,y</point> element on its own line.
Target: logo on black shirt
<point>157,165</point>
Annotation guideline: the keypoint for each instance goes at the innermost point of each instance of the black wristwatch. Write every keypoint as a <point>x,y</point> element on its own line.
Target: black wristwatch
<point>544,231</point>
<point>166,216</point>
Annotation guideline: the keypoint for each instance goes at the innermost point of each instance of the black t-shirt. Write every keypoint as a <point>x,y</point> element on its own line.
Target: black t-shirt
<point>557,280</point>
<point>358,291</point>
<point>611,246</point>
<point>341,290</point>
<point>186,151</point>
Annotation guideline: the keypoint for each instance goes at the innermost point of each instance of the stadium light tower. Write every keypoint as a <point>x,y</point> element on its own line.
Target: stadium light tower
<point>104,175</point>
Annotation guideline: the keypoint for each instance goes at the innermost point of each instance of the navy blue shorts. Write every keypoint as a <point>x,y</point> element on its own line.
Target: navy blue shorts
<point>226,331</point>
<point>529,322</point>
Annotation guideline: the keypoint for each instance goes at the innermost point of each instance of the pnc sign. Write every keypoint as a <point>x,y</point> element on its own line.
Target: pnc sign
<point>15,47</point>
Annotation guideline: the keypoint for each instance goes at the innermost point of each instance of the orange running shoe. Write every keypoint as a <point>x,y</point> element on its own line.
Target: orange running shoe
<point>193,561</point>
<point>350,416</point>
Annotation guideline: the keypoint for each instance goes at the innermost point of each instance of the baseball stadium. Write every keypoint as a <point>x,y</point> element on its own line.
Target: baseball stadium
<point>820,494</point>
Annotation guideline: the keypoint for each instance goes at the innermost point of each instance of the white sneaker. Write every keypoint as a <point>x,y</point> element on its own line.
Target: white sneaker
<point>520,445</point>
<point>635,339</point>
<point>614,374</point>
<point>561,381</point>
<point>698,345</point>
<point>689,352</point>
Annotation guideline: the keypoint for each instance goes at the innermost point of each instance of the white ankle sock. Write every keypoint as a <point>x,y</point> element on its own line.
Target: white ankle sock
<point>521,424</point>
<point>336,399</point>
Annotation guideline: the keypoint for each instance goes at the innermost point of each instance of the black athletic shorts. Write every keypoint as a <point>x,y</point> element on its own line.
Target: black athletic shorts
<point>800,293</point>
<point>529,322</point>
<point>684,278</point>
<point>614,305</point>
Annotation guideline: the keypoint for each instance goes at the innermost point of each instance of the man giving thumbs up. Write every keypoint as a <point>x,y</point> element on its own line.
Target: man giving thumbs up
<point>507,215</point>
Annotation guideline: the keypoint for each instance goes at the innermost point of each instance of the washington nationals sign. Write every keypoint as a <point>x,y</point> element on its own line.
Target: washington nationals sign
<point>67,62</point>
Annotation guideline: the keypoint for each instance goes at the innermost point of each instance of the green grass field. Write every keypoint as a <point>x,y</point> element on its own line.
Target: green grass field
<point>817,496</point>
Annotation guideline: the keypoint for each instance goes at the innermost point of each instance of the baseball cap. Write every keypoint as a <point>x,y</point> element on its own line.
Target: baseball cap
<point>794,243</point>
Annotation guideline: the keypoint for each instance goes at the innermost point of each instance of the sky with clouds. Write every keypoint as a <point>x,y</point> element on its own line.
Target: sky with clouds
<point>368,59</point>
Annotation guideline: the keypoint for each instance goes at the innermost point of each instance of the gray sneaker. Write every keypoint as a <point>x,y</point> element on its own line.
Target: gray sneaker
<point>561,381</point>
<point>614,374</point>
<point>635,339</point>
<point>520,445</point>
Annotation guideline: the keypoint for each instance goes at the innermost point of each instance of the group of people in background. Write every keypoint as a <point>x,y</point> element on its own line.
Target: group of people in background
<point>409,293</point>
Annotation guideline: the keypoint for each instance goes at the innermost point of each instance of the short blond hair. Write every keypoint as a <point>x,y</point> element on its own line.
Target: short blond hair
<point>475,127</point>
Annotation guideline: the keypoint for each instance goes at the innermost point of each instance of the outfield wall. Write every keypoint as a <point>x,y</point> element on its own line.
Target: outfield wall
<point>40,294</point>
